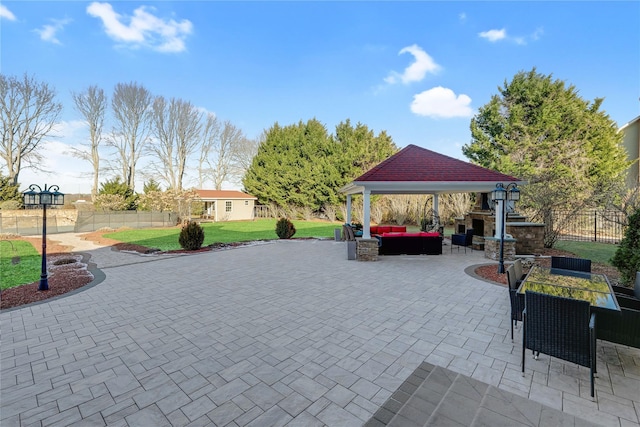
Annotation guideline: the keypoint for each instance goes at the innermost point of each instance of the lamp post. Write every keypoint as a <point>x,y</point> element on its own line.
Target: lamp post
<point>43,197</point>
<point>501,195</point>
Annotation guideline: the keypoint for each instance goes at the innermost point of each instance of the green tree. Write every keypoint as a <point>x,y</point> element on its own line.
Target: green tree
<point>540,130</point>
<point>151,186</point>
<point>9,191</point>
<point>302,165</point>
<point>627,257</point>
<point>293,167</point>
<point>125,198</point>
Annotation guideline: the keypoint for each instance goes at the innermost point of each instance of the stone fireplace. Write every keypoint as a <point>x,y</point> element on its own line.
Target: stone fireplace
<point>529,237</point>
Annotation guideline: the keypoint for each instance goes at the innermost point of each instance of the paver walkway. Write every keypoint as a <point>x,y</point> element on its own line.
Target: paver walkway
<point>284,333</point>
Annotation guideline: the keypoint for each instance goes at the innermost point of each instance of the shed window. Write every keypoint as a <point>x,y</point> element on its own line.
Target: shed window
<point>246,203</point>
<point>227,206</point>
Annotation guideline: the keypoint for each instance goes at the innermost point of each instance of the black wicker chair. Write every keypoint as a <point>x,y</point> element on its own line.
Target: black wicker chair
<point>621,327</point>
<point>517,265</point>
<point>629,292</point>
<point>568,263</point>
<point>517,300</point>
<point>562,328</point>
<point>465,240</point>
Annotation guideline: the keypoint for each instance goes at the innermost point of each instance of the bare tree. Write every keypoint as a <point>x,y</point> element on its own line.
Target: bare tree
<point>225,149</point>
<point>131,109</point>
<point>210,135</point>
<point>92,104</point>
<point>28,113</point>
<point>220,152</point>
<point>176,126</point>
<point>243,154</point>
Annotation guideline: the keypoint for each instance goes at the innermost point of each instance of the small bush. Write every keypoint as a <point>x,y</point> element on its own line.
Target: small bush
<point>191,236</point>
<point>285,228</point>
<point>627,257</point>
<point>10,205</point>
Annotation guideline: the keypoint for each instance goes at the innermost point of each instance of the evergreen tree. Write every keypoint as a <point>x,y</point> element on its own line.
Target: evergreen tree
<point>542,131</point>
<point>9,191</point>
<point>627,256</point>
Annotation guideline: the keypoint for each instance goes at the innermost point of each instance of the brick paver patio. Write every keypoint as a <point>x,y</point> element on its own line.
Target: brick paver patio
<point>281,333</point>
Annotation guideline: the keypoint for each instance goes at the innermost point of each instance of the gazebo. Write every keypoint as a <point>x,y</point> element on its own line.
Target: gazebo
<point>416,170</point>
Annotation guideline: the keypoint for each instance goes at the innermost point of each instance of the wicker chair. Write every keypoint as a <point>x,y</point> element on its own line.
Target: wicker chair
<point>562,328</point>
<point>517,300</point>
<point>621,327</point>
<point>568,263</point>
<point>465,240</point>
<point>629,292</point>
<point>517,265</point>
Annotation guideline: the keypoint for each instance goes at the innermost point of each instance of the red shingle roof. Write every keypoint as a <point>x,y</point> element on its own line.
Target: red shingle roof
<point>223,194</point>
<point>417,164</point>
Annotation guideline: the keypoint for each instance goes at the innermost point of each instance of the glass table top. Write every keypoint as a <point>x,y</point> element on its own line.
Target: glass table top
<point>591,287</point>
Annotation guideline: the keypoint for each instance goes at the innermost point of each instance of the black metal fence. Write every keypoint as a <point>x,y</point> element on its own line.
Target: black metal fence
<point>605,226</point>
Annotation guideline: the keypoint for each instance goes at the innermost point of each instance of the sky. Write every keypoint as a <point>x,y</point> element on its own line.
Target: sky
<point>419,70</point>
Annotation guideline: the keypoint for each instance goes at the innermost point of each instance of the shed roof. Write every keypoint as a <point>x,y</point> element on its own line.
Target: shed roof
<point>416,170</point>
<point>224,194</point>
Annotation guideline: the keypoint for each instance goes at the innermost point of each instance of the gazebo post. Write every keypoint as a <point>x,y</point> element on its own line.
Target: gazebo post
<point>366,209</point>
<point>348,218</point>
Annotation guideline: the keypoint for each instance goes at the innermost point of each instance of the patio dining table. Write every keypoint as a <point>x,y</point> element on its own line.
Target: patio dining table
<point>592,287</point>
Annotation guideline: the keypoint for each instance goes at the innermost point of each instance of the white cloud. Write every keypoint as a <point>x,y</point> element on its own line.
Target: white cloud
<point>498,35</point>
<point>462,17</point>
<point>537,33</point>
<point>494,35</point>
<point>415,72</point>
<point>143,28</point>
<point>5,13</point>
<point>48,32</point>
<point>440,102</point>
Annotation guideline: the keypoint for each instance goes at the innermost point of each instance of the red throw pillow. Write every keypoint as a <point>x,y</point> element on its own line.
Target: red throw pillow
<point>384,229</point>
<point>398,228</point>
<point>374,229</point>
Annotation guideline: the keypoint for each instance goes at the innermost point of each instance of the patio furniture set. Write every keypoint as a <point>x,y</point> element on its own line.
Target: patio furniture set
<point>395,240</point>
<point>565,308</point>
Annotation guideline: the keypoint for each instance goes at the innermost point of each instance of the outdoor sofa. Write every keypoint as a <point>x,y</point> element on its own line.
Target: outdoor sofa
<point>420,243</point>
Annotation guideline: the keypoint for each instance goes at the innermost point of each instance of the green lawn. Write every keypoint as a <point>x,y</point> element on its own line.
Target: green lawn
<point>596,252</point>
<point>223,232</point>
<point>20,263</point>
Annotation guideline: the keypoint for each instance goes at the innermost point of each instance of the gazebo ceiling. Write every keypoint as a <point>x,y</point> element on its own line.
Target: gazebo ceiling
<point>416,170</point>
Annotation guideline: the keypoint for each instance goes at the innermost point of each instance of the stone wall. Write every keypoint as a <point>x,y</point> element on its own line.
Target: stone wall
<point>492,249</point>
<point>367,249</point>
<point>529,237</point>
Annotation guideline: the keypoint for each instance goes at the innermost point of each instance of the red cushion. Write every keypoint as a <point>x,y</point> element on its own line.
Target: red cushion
<point>374,229</point>
<point>384,229</point>
<point>399,228</point>
<point>430,234</point>
<point>391,234</point>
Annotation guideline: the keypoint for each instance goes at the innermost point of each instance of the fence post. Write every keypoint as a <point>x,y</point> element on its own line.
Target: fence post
<point>595,226</point>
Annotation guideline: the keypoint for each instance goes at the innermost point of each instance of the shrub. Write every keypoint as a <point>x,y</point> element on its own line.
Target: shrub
<point>627,257</point>
<point>285,228</point>
<point>10,205</point>
<point>191,236</point>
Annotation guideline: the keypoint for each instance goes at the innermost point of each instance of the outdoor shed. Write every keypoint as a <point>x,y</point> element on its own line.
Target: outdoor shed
<point>227,205</point>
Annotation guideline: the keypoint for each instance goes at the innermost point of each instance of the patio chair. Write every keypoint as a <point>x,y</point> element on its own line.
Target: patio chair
<point>560,327</point>
<point>517,264</point>
<point>629,292</point>
<point>568,263</point>
<point>516,300</point>
<point>621,327</point>
<point>465,240</point>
